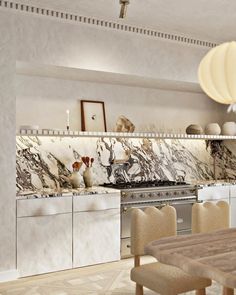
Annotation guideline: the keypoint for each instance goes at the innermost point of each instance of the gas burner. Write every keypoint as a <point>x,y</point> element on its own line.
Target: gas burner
<point>144,184</point>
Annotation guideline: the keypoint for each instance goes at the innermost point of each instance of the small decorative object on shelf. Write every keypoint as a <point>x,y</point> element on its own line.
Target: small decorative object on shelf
<point>88,175</point>
<point>194,129</point>
<point>229,128</point>
<point>212,129</point>
<point>76,177</point>
<point>67,120</point>
<point>123,124</point>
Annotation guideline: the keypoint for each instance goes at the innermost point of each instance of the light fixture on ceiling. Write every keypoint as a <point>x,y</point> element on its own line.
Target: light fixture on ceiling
<point>124,4</point>
<point>217,74</point>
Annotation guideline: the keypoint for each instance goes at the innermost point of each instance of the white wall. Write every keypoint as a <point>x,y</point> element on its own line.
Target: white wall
<point>56,42</point>
<point>49,41</point>
<point>7,145</point>
<point>43,101</point>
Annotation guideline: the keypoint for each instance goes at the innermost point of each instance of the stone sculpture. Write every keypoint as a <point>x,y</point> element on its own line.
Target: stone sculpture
<point>124,125</point>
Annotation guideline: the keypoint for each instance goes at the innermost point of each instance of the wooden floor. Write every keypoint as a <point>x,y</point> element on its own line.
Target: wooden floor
<point>107,279</point>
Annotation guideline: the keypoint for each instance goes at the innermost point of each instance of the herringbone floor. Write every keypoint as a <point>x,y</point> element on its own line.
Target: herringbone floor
<point>107,279</point>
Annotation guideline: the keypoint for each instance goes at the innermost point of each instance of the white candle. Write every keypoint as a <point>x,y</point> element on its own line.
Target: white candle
<point>68,120</point>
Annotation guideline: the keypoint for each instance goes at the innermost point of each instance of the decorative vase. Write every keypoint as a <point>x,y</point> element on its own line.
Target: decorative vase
<point>75,179</point>
<point>88,177</point>
<point>212,129</point>
<point>229,128</point>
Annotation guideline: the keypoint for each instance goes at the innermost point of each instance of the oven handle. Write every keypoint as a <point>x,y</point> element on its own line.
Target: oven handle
<point>128,208</point>
<point>183,202</point>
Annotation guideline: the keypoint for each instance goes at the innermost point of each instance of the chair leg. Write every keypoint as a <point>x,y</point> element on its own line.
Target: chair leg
<point>228,291</point>
<point>139,290</point>
<point>201,292</point>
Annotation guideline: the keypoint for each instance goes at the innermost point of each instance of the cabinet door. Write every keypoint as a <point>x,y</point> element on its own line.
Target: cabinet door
<point>96,237</point>
<point>44,244</point>
<point>212,193</point>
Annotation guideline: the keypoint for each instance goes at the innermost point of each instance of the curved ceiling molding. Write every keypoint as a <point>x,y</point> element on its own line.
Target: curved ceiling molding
<point>104,23</point>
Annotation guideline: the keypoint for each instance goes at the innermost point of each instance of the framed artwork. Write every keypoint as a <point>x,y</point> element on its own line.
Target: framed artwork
<point>93,117</point>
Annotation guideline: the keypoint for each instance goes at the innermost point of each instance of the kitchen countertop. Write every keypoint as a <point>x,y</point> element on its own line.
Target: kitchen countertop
<point>51,193</point>
<point>220,182</point>
<point>96,190</point>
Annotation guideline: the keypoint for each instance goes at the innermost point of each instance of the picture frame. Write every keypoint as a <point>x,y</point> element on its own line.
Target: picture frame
<point>93,116</point>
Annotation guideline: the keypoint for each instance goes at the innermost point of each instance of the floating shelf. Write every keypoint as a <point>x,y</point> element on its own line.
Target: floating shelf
<point>65,133</point>
<point>69,73</point>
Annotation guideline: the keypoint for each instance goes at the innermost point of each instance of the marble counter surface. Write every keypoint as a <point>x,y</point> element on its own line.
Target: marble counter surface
<point>50,193</point>
<point>220,182</point>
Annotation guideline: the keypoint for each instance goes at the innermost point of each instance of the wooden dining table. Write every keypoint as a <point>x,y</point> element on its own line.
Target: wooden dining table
<point>209,255</point>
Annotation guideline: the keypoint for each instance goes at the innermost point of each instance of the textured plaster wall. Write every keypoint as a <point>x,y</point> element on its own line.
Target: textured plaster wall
<point>7,144</point>
<point>55,42</point>
<point>43,101</point>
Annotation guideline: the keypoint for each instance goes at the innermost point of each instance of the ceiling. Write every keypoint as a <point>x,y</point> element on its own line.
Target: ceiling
<point>213,20</point>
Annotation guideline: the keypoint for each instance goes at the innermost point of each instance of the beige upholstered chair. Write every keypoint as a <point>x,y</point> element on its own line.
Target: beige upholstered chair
<point>146,226</point>
<point>210,216</point>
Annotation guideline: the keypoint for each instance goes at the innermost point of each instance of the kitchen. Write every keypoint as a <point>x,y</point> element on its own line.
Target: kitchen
<point>87,53</point>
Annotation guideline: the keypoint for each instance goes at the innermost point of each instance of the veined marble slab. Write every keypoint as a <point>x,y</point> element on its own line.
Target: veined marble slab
<point>46,162</point>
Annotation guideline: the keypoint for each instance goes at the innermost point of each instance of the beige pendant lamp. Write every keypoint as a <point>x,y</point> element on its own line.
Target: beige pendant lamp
<point>217,73</point>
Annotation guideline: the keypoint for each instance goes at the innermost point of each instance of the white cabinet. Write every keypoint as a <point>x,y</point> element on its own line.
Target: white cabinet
<point>214,193</point>
<point>44,235</point>
<point>52,237</point>
<point>96,229</point>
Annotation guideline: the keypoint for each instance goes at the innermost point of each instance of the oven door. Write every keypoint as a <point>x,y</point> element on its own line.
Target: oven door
<point>126,225</point>
<point>184,215</point>
<point>126,216</point>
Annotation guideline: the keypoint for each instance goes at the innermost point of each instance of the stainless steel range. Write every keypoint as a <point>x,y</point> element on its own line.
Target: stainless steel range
<point>155,193</point>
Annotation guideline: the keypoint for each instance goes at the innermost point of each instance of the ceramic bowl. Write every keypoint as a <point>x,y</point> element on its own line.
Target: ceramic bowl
<point>194,129</point>
<point>212,129</point>
<point>229,128</point>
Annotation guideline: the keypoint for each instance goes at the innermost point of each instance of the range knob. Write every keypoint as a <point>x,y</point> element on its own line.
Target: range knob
<point>133,196</point>
<point>142,195</point>
<point>183,192</point>
<point>123,195</point>
<point>167,194</point>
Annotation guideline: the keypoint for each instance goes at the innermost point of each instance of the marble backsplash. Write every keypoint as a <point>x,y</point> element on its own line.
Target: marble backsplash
<point>46,162</point>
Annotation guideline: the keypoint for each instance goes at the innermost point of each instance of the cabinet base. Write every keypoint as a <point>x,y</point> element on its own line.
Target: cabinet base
<point>9,275</point>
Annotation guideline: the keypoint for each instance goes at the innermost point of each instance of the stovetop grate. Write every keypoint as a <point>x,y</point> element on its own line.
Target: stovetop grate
<point>145,184</point>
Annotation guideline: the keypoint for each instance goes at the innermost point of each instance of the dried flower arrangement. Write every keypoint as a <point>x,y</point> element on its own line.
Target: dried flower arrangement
<point>77,165</point>
<point>88,161</point>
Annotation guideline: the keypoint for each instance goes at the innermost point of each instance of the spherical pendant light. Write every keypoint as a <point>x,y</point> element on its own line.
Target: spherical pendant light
<point>217,73</point>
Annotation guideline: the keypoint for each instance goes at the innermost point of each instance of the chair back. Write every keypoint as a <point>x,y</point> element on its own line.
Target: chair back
<point>210,216</point>
<point>149,225</point>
